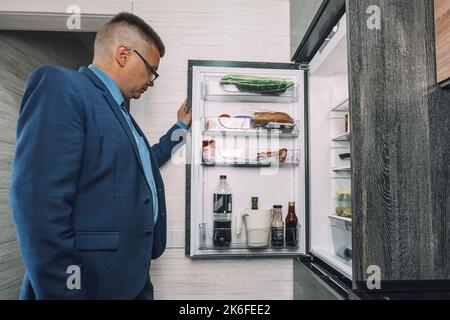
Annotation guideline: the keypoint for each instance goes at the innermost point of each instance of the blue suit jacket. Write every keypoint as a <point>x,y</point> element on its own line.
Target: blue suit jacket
<point>78,192</point>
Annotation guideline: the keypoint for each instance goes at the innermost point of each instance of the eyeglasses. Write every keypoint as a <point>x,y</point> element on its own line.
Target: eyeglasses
<point>150,69</point>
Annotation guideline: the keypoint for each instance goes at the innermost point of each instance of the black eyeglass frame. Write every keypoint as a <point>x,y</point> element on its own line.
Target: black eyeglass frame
<point>149,67</point>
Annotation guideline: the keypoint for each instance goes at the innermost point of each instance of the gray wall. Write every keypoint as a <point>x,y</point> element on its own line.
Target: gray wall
<point>400,143</point>
<point>20,53</point>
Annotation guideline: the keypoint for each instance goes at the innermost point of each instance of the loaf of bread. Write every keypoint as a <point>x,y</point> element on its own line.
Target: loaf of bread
<point>263,118</point>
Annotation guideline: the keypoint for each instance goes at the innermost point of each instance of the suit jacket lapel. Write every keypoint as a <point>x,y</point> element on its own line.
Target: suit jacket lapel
<point>116,109</point>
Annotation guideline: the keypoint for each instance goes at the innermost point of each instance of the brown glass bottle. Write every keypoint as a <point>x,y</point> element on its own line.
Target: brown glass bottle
<point>291,226</point>
<point>277,230</point>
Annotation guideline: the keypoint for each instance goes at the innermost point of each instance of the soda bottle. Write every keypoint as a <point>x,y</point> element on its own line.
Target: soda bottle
<point>222,207</point>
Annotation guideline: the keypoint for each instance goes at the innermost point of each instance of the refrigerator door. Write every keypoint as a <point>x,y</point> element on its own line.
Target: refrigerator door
<point>312,281</point>
<point>259,159</point>
<point>329,169</point>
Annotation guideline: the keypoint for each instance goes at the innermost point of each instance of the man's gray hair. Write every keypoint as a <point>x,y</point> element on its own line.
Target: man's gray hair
<point>127,29</point>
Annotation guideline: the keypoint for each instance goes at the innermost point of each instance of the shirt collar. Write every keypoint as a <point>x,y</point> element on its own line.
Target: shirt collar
<point>110,84</point>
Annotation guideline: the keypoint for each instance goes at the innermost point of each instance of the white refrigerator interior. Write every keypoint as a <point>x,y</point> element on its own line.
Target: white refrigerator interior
<point>233,146</point>
<point>330,235</point>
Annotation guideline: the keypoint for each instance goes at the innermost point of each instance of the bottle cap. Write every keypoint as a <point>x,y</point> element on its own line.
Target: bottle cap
<point>223,177</point>
<point>277,206</point>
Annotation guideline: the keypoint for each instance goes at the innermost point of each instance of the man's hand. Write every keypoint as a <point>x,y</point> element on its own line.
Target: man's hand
<point>183,116</point>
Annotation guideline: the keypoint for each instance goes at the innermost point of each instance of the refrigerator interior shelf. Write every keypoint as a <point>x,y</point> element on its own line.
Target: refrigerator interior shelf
<point>342,106</point>
<point>212,91</point>
<point>334,216</point>
<point>342,169</point>
<point>343,137</point>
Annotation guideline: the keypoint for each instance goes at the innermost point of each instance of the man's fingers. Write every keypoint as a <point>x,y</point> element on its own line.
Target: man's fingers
<point>185,106</point>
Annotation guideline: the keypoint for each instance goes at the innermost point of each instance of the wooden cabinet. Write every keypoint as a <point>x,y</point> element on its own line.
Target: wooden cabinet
<point>400,146</point>
<point>442,24</point>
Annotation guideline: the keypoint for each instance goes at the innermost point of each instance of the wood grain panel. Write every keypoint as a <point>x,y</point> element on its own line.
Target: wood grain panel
<point>21,52</point>
<point>400,144</point>
<point>442,24</point>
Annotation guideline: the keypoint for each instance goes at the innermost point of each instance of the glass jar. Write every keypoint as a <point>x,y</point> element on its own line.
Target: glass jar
<point>344,203</point>
<point>209,151</point>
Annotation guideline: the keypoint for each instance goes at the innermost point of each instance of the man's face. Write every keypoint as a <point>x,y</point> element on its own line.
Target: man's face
<point>136,76</point>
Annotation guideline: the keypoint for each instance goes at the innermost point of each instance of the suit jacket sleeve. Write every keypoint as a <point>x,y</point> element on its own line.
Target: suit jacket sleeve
<point>49,150</point>
<point>162,151</point>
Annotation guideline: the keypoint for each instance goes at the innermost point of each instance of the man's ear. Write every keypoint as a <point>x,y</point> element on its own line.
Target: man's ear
<point>122,55</point>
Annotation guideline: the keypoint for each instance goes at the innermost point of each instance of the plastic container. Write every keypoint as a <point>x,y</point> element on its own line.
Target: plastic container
<point>341,232</point>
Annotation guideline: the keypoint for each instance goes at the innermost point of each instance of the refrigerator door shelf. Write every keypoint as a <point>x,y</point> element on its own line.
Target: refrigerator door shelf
<point>212,91</point>
<point>251,157</point>
<point>244,246</point>
<point>213,126</point>
<point>238,242</point>
<point>249,164</point>
<point>237,164</point>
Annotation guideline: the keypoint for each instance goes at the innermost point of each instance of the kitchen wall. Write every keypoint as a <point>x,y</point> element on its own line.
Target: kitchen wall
<point>20,53</point>
<point>250,30</point>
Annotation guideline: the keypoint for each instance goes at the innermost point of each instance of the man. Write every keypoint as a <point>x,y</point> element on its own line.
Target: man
<point>86,192</point>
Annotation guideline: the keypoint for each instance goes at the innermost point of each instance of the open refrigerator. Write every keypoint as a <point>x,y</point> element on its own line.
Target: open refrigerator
<point>314,171</point>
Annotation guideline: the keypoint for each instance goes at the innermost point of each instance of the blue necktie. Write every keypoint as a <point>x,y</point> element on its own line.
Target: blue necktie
<point>144,154</point>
